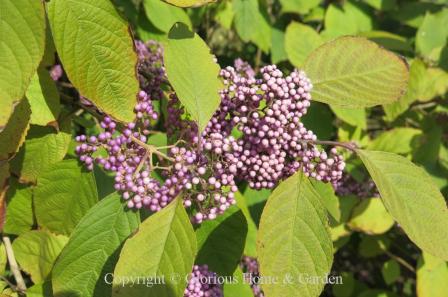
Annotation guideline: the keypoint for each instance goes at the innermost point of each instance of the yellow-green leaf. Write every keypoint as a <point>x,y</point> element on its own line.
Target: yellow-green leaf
<point>370,216</point>
<point>294,239</point>
<point>97,51</point>
<point>193,73</point>
<point>164,246</point>
<point>412,198</point>
<point>300,41</point>
<point>354,72</point>
<point>22,40</point>
<point>189,3</point>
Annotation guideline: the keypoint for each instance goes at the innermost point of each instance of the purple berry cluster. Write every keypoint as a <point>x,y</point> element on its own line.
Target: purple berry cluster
<point>264,113</point>
<point>255,136</point>
<point>202,284</point>
<point>250,268</point>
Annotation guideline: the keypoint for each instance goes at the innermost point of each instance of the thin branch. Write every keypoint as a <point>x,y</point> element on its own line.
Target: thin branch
<point>151,148</point>
<point>347,145</point>
<point>21,287</point>
<point>401,261</point>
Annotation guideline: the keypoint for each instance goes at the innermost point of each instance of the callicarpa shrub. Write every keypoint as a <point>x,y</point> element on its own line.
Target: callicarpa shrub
<point>233,148</point>
<point>255,136</point>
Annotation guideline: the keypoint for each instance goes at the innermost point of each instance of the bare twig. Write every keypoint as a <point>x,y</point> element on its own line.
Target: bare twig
<point>21,287</point>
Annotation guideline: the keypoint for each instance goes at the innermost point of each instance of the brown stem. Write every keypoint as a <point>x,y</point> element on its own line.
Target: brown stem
<point>347,145</point>
<point>21,287</point>
<point>151,149</point>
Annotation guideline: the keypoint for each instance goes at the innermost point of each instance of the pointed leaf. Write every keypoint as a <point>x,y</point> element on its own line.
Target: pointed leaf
<point>294,239</point>
<point>164,246</point>
<point>93,249</point>
<point>411,197</point>
<point>193,73</point>
<point>96,49</point>
<point>355,72</point>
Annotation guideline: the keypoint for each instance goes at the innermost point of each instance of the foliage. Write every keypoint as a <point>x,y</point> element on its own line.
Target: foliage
<point>271,147</point>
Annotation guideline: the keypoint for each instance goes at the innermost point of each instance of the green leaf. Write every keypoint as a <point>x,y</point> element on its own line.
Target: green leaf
<point>240,288</point>
<point>36,251</point>
<point>389,40</point>
<point>93,249</point>
<point>221,241</point>
<point>413,13</point>
<point>147,31</point>
<point>354,116</point>
<point>189,3</point>
<point>43,97</point>
<point>432,35</point>
<point>391,271</point>
<point>398,140</point>
<point>278,52</point>
<point>354,72</point>
<point>42,148</point>
<point>348,19</point>
<point>411,197</point>
<point>298,6</point>
<point>224,15</point>
<point>250,247</point>
<point>294,239</point>
<point>300,41</point>
<point>371,217</point>
<point>96,49</point>
<point>163,15</point>
<point>13,135</point>
<point>251,24</point>
<point>63,195</point>
<point>192,73</point>
<point>432,274</point>
<point>167,243</point>
<point>22,40</point>
<point>319,119</point>
<point>328,198</point>
<point>40,290</point>
<point>19,209</point>
<point>385,5</point>
<point>347,287</point>
<point>3,259</point>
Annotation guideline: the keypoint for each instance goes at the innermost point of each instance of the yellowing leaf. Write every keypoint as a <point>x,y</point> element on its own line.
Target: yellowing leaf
<point>22,40</point>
